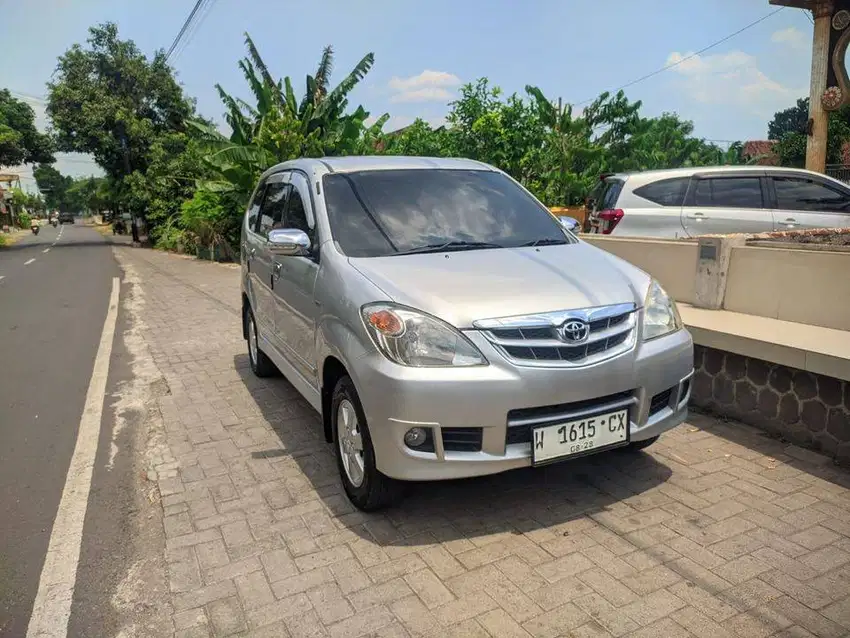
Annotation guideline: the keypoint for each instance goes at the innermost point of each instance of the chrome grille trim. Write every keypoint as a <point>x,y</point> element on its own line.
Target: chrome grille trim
<point>532,340</point>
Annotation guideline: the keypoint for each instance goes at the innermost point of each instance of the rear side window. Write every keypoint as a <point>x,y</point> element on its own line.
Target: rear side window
<point>665,192</point>
<point>729,192</point>
<point>610,195</point>
<point>793,193</point>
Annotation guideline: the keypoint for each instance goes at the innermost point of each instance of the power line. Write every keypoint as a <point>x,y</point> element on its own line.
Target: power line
<point>193,29</point>
<point>185,26</point>
<point>688,57</point>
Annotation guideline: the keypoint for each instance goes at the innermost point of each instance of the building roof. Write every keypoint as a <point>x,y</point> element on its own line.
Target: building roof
<point>762,149</point>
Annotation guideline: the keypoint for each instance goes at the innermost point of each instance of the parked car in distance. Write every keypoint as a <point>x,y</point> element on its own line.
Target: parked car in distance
<point>66,218</point>
<point>445,325</point>
<point>688,202</point>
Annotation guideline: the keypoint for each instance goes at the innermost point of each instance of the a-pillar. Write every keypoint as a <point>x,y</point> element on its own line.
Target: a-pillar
<point>816,144</point>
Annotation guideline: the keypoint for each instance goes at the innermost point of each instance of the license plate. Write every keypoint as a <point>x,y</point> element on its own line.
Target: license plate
<point>582,436</point>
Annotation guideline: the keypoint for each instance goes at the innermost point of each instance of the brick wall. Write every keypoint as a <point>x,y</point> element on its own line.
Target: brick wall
<point>808,409</point>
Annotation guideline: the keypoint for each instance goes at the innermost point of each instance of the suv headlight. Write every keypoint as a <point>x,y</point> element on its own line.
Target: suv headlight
<point>412,338</point>
<point>660,316</point>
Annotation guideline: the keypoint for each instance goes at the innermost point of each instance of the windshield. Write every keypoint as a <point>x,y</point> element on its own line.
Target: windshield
<point>379,213</point>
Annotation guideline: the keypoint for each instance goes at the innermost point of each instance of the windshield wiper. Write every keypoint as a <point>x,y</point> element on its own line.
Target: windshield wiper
<point>547,241</point>
<point>449,245</point>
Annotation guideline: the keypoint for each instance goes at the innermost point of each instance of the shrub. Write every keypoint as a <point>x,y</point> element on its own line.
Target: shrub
<point>24,220</point>
<point>206,222</point>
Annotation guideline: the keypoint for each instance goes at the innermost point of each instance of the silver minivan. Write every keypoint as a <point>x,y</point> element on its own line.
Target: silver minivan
<point>445,325</point>
<point>718,200</point>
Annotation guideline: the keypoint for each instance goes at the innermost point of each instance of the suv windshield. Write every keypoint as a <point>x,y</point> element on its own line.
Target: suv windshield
<point>379,213</point>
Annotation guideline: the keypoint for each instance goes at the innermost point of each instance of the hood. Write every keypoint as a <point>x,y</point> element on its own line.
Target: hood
<point>465,286</point>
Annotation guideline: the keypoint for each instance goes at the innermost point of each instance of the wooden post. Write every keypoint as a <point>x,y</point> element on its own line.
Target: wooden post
<point>819,118</point>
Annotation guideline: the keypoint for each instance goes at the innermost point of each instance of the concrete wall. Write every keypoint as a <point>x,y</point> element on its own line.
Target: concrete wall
<point>672,262</point>
<point>791,284</point>
<point>803,286</point>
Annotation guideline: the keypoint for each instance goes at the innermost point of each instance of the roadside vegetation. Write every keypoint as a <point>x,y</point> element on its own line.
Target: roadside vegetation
<point>191,179</point>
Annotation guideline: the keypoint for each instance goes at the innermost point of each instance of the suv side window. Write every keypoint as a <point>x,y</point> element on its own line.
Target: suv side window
<point>796,193</point>
<point>729,192</point>
<point>666,192</point>
<point>254,208</point>
<point>271,211</point>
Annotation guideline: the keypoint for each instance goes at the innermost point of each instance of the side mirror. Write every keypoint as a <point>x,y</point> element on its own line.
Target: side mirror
<point>570,224</point>
<point>289,242</point>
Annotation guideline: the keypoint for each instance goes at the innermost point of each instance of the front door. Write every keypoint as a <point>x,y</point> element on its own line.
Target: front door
<point>717,205</point>
<point>271,217</point>
<point>294,278</point>
<point>809,202</point>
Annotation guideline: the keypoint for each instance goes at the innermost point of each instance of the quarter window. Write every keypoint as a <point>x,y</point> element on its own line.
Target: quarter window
<point>609,197</point>
<point>729,192</point>
<point>296,215</point>
<point>254,209</point>
<point>666,192</point>
<point>271,211</point>
<point>794,193</point>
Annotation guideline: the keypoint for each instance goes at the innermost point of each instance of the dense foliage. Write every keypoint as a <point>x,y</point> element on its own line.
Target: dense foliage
<point>109,100</point>
<point>20,140</point>
<point>789,129</point>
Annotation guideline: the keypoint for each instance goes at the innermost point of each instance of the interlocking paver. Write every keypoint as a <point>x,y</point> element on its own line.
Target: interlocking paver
<point>717,531</point>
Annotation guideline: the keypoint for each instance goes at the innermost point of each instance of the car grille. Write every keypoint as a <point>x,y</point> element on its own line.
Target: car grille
<point>521,421</point>
<point>538,339</point>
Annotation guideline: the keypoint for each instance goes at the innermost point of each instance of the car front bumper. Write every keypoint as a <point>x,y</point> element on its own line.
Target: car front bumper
<point>448,401</point>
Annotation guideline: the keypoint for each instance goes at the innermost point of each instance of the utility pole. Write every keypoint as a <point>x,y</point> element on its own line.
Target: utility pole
<point>818,116</point>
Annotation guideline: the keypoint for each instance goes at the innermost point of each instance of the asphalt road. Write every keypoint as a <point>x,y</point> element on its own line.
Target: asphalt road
<point>54,294</point>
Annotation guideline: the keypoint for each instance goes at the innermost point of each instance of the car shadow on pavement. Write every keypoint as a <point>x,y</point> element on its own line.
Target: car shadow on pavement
<point>515,502</point>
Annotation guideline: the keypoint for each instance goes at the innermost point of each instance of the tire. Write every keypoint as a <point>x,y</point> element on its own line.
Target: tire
<point>261,365</point>
<point>374,490</point>
<point>642,445</point>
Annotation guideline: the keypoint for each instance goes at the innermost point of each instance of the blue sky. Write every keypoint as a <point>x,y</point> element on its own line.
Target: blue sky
<point>424,50</point>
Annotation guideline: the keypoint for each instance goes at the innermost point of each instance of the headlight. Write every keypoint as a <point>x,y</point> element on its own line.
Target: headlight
<point>660,316</point>
<point>412,338</point>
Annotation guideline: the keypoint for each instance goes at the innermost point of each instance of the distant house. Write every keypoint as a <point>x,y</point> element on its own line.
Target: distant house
<point>762,150</point>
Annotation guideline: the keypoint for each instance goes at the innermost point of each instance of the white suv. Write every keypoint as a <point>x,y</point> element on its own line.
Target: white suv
<point>688,202</point>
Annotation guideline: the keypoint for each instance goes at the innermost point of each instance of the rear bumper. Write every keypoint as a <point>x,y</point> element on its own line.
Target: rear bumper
<point>442,400</point>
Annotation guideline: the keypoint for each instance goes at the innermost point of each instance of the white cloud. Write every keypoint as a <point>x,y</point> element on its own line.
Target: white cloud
<point>732,79</point>
<point>792,37</point>
<point>428,86</point>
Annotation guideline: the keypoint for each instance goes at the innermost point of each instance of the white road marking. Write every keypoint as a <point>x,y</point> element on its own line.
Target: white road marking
<point>46,250</point>
<point>52,606</point>
<point>29,261</point>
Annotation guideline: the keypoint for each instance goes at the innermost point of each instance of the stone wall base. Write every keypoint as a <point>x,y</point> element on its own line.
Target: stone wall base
<point>810,410</point>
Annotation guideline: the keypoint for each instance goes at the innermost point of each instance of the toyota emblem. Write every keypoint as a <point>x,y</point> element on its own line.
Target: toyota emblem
<point>574,331</point>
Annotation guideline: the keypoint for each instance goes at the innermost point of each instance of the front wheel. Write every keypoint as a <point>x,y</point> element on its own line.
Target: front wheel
<point>366,487</point>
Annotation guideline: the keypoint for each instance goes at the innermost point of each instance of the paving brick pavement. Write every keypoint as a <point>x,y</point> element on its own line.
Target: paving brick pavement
<point>716,531</point>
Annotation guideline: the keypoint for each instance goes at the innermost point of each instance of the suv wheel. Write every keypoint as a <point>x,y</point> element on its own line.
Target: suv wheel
<point>261,365</point>
<point>365,486</point>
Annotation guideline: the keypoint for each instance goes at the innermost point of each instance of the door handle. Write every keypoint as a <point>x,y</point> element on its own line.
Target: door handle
<point>252,253</point>
<point>790,221</point>
<point>697,216</point>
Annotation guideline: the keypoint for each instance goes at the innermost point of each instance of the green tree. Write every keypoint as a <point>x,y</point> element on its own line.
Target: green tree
<point>54,187</point>
<point>278,126</point>
<point>20,140</point>
<point>108,99</point>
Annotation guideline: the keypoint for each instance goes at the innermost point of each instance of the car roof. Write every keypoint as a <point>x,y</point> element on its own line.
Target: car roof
<point>354,163</point>
<point>655,174</point>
